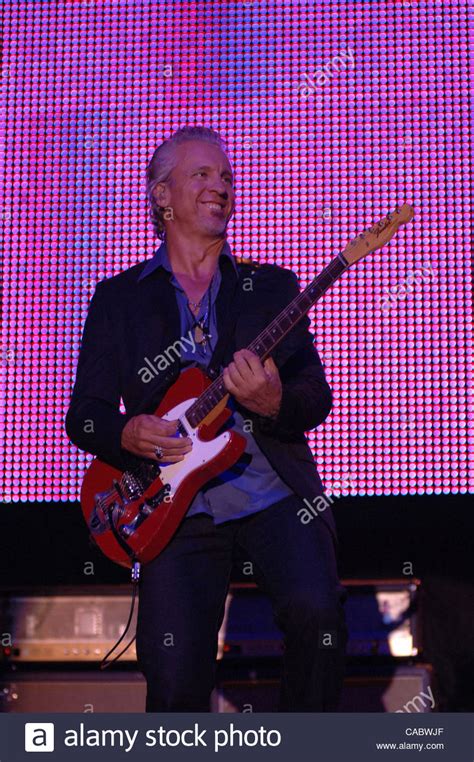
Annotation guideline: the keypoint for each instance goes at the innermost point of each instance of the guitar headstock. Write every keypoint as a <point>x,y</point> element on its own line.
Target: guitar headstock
<point>378,235</point>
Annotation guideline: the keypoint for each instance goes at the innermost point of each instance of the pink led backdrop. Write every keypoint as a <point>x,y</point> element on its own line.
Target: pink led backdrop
<point>333,113</point>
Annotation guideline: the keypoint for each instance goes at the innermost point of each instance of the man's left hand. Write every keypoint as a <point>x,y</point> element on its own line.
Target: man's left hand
<point>255,385</point>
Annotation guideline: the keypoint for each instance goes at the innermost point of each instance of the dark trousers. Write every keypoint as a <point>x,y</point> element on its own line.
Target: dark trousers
<point>181,606</point>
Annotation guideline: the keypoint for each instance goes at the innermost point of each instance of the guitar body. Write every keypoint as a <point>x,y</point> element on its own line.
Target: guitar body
<point>146,522</point>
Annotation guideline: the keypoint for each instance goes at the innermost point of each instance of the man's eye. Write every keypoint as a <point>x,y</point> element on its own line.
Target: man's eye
<point>201,173</point>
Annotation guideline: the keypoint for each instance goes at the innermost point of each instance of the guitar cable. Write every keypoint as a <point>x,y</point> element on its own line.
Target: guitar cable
<point>136,566</point>
<point>135,581</point>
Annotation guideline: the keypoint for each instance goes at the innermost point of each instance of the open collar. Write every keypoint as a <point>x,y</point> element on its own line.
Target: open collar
<point>161,259</point>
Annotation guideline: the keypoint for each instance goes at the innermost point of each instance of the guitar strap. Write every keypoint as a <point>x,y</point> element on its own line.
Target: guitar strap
<point>227,332</point>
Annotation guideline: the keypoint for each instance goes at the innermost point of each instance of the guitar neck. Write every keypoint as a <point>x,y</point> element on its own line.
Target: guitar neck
<point>270,337</point>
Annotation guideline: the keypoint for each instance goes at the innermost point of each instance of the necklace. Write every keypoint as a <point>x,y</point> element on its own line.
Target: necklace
<point>196,305</point>
<point>201,325</point>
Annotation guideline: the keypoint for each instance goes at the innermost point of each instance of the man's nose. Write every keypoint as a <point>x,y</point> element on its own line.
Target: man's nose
<point>220,187</point>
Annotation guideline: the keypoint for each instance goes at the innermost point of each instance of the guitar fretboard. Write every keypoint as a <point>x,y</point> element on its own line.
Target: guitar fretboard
<point>268,339</point>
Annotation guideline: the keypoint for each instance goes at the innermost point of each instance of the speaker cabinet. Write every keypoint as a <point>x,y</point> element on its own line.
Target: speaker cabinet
<point>402,688</point>
<point>88,691</point>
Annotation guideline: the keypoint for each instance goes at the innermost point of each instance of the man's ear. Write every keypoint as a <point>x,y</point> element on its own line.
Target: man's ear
<point>161,194</point>
<point>232,211</point>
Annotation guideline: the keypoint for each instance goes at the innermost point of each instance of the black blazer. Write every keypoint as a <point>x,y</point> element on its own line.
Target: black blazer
<point>131,319</point>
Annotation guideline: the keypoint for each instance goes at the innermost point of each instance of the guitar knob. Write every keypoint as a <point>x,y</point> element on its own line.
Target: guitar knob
<point>145,509</point>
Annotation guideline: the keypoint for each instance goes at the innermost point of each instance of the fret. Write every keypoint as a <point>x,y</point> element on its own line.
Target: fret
<point>212,399</point>
<point>268,340</point>
<point>262,343</point>
<point>294,311</point>
<point>275,329</point>
<point>285,323</point>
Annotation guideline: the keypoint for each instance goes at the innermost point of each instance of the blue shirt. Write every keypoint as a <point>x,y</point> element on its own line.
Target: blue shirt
<point>251,484</point>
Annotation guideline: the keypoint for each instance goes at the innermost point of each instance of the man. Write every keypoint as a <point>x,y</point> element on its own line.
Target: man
<point>183,298</point>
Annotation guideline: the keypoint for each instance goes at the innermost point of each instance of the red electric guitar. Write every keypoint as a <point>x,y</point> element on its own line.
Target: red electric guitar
<point>132,515</point>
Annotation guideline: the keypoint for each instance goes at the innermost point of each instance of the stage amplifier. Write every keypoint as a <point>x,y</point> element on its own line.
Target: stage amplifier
<point>382,618</point>
<point>83,624</point>
<point>66,625</point>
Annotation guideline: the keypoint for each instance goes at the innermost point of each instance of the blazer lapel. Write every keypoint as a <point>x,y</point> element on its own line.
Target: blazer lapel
<point>159,307</point>
<point>159,314</point>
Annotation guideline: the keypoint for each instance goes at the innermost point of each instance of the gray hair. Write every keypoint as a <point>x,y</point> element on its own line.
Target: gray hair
<point>163,162</point>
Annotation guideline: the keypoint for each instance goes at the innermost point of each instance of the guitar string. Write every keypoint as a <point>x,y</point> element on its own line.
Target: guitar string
<point>374,230</point>
<point>286,312</point>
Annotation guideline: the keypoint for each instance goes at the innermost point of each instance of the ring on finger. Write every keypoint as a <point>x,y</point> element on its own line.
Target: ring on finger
<point>159,452</point>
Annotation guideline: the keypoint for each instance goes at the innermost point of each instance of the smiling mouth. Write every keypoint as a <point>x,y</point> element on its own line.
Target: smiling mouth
<point>213,206</point>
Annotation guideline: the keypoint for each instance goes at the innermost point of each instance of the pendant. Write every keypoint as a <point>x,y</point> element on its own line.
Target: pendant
<point>199,337</point>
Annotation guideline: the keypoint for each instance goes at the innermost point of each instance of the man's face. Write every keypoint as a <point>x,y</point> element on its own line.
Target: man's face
<point>200,190</point>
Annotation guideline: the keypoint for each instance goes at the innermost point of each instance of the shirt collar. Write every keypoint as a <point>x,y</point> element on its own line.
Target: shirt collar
<point>161,259</point>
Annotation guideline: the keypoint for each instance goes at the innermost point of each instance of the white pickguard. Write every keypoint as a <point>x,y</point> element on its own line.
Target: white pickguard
<point>202,452</point>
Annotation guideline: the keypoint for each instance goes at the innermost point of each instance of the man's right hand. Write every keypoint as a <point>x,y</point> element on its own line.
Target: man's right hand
<point>144,433</point>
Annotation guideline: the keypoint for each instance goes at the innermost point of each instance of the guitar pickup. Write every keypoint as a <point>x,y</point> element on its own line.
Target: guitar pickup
<point>157,499</point>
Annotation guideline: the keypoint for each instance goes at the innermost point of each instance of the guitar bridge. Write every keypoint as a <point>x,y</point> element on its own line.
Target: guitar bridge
<point>110,504</point>
<point>103,512</point>
<point>145,510</point>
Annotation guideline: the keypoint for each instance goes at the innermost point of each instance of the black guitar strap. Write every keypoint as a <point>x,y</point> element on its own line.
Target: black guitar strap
<point>227,332</point>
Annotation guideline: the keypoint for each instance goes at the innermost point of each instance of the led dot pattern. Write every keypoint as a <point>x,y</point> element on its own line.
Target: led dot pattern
<point>333,112</point>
